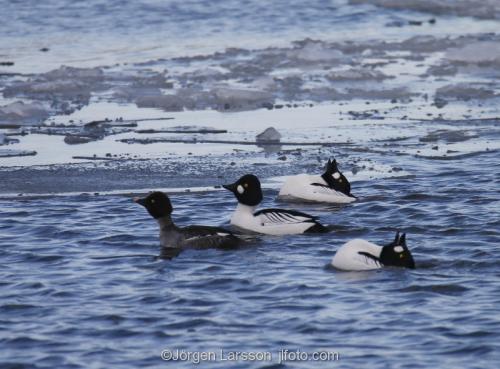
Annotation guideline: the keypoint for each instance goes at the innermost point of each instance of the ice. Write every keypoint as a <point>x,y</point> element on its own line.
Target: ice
<point>425,43</point>
<point>464,91</point>
<point>312,51</point>
<point>77,139</point>
<point>485,52</point>
<point>65,88</point>
<point>269,135</point>
<point>239,99</point>
<point>303,72</point>
<point>219,98</point>
<point>65,83</point>
<point>357,74</point>
<point>23,113</point>
<point>399,93</point>
<point>444,69</point>
<point>5,140</point>
<point>132,93</point>
<point>448,136</point>
<point>71,73</point>
<point>8,153</point>
<point>165,102</point>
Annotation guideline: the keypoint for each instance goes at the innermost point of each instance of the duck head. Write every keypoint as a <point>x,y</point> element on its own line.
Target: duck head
<point>246,189</point>
<point>335,179</point>
<point>156,203</point>
<point>397,253</point>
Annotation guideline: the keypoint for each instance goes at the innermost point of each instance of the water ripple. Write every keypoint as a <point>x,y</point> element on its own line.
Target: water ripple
<point>73,284</point>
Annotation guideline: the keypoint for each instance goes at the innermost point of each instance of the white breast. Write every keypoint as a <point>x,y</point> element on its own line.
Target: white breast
<point>268,223</point>
<point>347,256</point>
<point>300,187</point>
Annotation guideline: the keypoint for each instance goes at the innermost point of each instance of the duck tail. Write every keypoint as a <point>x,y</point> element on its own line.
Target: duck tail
<point>316,228</point>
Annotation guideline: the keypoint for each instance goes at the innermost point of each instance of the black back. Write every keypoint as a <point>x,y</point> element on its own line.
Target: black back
<point>157,204</point>
<point>292,213</point>
<point>335,179</point>
<point>247,190</point>
<point>397,253</point>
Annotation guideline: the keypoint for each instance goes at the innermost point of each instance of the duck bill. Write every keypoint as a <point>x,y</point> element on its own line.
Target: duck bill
<point>140,201</point>
<point>231,187</point>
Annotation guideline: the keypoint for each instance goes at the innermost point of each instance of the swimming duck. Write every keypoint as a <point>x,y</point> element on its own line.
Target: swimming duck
<point>359,254</point>
<point>160,208</point>
<point>248,192</point>
<point>332,186</point>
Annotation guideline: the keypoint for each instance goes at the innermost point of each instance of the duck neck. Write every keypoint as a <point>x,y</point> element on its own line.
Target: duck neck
<point>327,178</point>
<point>170,237</point>
<point>166,223</point>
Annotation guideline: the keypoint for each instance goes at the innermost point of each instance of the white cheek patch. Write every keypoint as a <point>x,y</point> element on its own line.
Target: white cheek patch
<point>398,249</point>
<point>336,175</point>
<point>240,189</point>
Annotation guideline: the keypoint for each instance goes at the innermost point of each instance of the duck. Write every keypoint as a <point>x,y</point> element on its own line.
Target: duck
<point>330,187</point>
<point>172,237</point>
<point>359,255</point>
<point>248,192</point>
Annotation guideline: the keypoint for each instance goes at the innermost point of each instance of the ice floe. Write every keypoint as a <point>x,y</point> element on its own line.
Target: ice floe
<point>23,113</point>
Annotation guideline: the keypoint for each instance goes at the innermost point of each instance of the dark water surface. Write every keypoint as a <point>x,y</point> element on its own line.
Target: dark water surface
<point>81,287</point>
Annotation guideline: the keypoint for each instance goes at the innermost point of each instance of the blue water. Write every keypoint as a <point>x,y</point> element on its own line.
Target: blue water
<point>81,286</point>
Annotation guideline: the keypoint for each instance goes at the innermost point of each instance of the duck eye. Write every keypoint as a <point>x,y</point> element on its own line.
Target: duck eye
<point>152,201</point>
<point>402,255</point>
<point>245,185</point>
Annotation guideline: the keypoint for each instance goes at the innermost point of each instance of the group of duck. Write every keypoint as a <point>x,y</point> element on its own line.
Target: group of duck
<point>330,187</point>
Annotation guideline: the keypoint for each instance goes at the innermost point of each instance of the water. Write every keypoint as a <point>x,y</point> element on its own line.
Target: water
<point>82,287</point>
<point>97,33</point>
<point>81,284</point>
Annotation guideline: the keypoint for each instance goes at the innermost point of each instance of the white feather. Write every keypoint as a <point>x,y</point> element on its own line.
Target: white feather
<point>269,223</point>
<point>348,258</point>
<point>300,187</point>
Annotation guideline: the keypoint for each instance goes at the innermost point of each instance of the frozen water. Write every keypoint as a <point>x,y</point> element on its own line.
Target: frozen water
<point>268,135</point>
<point>244,79</point>
<point>238,99</point>
<point>357,74</point>
<point>485,52</point>
<point>164,102</point>
<point>70,73</point>
<point>23,113</point>
<point>464,91</point>
<point>310,51</point>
